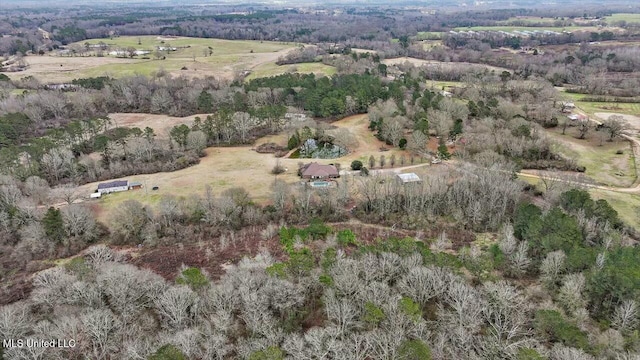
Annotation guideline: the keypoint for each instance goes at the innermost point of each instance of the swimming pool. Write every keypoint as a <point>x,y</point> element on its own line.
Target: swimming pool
<point>320,183</point>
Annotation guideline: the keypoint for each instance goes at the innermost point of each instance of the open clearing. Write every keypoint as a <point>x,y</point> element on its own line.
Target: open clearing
<point>633,120</point>
<point>228,57</point>
<point>56,69</point>
<point>627,205</point>
<point>161,124</point>
<point>435,63</point>
<point>602,163</point>
<point>602,107</point>
<point>630,18</point>
<point>539,28</point>
<point>273,69</point>
<point>228,167</point>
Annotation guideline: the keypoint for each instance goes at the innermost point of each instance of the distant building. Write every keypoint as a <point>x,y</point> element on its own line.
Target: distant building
<point>317,171</point>
<point>408,178</point>
<point>114,186</point>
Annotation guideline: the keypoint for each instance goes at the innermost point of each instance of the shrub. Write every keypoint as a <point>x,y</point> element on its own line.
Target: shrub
<point>403,143</point>
<point>270,353</point>
<point>356,165</point>
<point>168,352</point>
<point>346,238</point>
<point>529,354</point>
<point>414,350</point>
<point>317,229</point>
<point>373,315</point>
<point>277,169</point>
<point>192,277</point>
<point>411,308</point>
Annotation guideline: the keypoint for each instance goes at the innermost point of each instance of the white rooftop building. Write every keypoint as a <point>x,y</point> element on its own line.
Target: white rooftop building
<point>408,178</point>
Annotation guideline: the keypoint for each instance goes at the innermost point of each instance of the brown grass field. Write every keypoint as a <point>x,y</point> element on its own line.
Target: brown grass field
<point>161,124</point>
<point>420,62</point>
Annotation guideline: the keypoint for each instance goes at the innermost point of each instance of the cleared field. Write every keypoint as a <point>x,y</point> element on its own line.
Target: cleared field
<point>444,85</point>
<point>627,205</point>
<point>630,18</point>
<point>528,28</point>
<point>272,69</point>
<point>56,69</point>
<point>225,168</point>
<point>429,35</point>
<point>161,124</point>
<point>602,163</point>
<point>435,63</point>
<point>194,57</point>
<point>593,107</point>
<point>634,121</point>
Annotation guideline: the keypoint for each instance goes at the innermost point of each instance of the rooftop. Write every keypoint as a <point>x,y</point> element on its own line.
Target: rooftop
<point>408,177</point>
<point>317,170</point>
<point>113,184</point>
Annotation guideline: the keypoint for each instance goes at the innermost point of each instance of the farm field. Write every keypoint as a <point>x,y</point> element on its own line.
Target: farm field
<point>191,59</point>
<point>630,18</point>
<point>272,69</point>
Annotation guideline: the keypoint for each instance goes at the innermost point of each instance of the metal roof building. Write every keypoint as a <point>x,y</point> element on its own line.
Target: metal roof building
<point>408,178</point>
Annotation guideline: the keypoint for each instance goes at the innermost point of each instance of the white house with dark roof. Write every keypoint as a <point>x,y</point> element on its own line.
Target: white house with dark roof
<point>113,186</point>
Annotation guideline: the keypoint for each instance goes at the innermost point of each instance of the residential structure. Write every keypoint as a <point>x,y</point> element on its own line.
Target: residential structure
<point>317,171</point>
<point>113,186</point>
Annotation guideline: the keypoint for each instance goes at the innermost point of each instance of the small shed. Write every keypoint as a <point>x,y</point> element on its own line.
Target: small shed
<point>135,185</point>
<point>113,186</point>
<point>408,178</point>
